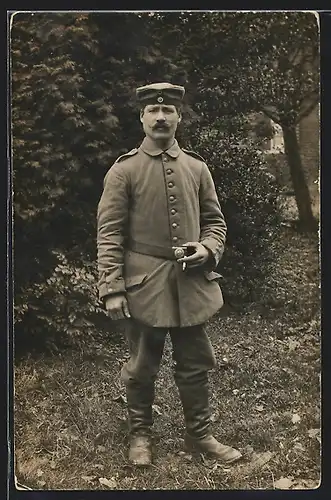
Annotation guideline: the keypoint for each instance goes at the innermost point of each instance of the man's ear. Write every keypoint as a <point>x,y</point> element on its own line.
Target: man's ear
<point>141,114</point>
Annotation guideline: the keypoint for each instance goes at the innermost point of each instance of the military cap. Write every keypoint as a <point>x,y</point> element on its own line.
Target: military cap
<point>160,93</point>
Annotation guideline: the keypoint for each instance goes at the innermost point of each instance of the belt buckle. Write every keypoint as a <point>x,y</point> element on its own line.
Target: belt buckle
<point>179,252</point>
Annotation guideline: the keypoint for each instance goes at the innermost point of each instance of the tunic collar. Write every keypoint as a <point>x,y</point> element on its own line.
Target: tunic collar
<point>149,147</point>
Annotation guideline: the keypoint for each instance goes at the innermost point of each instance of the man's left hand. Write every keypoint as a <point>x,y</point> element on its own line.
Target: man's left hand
<point>198,258</point>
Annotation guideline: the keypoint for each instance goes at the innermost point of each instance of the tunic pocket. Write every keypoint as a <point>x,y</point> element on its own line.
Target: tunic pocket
<point>212,275</point>
<point>138,279</point>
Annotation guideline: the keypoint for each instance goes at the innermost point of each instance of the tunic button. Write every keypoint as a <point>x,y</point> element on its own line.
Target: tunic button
<point>165,159</point>
<point>175,238</point>
<point>172,198</point>
<point>171,184</point>
<point>174,224</point>
<point>169,171</point>
<point>173,211</point>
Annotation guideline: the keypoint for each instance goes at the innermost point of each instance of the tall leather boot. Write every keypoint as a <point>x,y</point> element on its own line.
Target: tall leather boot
<point>198,437</point>
<point>140,414</point>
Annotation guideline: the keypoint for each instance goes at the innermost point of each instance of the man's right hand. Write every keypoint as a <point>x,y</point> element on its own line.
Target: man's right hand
<point>117,307</point>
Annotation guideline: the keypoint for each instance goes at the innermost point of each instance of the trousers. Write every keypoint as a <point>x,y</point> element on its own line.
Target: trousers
<point>193,357</point>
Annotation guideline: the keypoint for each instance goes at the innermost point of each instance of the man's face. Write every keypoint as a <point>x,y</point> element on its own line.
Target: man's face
<point>160,121</point>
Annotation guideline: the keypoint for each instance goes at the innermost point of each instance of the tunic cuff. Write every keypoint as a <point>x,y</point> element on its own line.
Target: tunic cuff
<point>215,252</point>
<point>112,287</point>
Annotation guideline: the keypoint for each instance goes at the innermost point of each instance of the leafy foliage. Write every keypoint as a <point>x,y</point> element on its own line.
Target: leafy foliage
<point>248,194</point>
<point>63,310</point>
<point>253,62</point>
<point>257,61</point>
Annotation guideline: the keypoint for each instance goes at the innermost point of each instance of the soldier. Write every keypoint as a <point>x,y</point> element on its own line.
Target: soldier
<point>161,234</point>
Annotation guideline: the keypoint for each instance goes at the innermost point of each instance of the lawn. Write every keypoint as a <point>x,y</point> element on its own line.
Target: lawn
<point>70,408</point>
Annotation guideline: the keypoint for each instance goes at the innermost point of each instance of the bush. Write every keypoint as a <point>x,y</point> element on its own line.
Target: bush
<point>63,310</point>
<point>278,166</point>
<point>248,196</point>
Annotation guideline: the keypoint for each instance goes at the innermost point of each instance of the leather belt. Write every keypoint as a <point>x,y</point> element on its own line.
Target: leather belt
<point>152,250</point>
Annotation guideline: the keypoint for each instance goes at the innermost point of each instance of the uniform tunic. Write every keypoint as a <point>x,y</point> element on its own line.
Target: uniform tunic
<point>156,198</point>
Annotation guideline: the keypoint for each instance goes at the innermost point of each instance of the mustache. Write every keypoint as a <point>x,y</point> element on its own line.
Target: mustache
<point>160,126</point>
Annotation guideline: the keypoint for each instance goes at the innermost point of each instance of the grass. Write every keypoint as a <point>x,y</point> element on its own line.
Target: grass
<point>70,414</point>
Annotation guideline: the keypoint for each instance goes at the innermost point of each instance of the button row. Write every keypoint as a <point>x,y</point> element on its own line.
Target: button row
<point>172,198</point>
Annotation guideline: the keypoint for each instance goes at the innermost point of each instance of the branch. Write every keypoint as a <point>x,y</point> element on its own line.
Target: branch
<point>197,69</point>
<point>270,114</point>
<point>307,56</point>
<point>292,57</point>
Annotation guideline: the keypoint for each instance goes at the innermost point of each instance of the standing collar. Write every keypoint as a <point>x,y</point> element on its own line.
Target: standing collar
<point>149,147</point>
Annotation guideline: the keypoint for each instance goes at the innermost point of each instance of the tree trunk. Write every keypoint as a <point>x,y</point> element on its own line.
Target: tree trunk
<point>302,196</point>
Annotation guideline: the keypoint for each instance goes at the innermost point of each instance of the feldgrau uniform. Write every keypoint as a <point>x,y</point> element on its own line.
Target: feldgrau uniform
<point>152,201</point>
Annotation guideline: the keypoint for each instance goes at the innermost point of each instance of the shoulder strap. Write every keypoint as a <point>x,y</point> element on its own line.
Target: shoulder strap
<point>127,155</point>
<point>194,154</point>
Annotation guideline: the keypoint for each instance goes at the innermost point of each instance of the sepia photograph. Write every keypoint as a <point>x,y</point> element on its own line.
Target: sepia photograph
<point>165,180</point>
